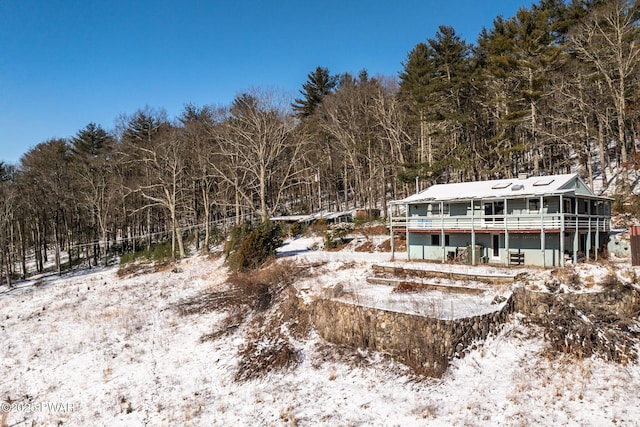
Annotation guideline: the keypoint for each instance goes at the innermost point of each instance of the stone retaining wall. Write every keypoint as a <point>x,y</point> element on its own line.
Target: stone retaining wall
<point>427,344</point>
<point>621,301</point>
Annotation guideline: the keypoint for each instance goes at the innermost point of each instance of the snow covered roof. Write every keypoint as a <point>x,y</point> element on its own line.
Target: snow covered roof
<point>315,216</point>
<point>503,188</point>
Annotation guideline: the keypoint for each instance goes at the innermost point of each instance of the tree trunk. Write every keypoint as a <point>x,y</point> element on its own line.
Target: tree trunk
<point>56,236</point>
<point>23,254</point>
<point>603,156</point>
<point>207,214</point>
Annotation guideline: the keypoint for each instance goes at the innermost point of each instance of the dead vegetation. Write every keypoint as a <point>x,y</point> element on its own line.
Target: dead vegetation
<point>140,268</point>
<point>369,230</point>
<point>404,288</point>
<point>583,326</point>
<point>366,246</point>
<point>400,245</point>
<point>567,275</point>
<point>326,353</point>
<point>261,303</point>
<point>571,331</point>
<point>271,338</point>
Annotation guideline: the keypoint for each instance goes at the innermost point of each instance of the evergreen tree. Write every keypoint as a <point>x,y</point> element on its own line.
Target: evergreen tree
<point>520,53</point>
<point>319,84</point>
<point>414,81</point>
<point>434,82</point>
<point>144,125</point>
<point>449,91</point>
<point>90,141</point>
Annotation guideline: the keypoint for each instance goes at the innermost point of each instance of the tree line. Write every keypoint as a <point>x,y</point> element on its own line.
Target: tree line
<point>550,90</point>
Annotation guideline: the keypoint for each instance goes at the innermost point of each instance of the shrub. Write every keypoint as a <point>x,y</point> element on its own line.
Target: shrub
<point>251,248</point>
<point>610,281</point>
<point>334,234</point>
<point>237,234</point>
<point>370,215</point>
<point>297,229</point>
<point>264,302</point>
<point>317,228</point>
<point>158,252</point>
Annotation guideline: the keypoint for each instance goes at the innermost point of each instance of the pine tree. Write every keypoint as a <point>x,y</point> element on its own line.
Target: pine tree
<point>414,80</point>
<point>448,93</point>
<point>434,82</point>
<point>319,84</point>
<point>90,141</point>
<point>144,125</point>
<point>520,53</point>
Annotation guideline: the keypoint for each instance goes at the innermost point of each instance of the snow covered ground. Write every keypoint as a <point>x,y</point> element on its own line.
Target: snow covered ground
<point>90,348</point>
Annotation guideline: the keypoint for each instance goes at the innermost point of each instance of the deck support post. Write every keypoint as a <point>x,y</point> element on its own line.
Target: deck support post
<point>561,231</point>
<point>442,242</point>
<point>577,233</point>
<point>406,230</point>
<point>393,247</point>
<point>473,233</point>
<point>588,245</point>
<point>506,233</point>
<point>542,235</point>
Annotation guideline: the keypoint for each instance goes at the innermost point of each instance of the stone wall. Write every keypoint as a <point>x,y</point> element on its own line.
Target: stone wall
<point>428,344</point>
<point>621,301</point>
<point>425,344</point>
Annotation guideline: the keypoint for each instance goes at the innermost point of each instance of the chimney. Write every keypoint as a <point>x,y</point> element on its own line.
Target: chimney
<point>523,175</point>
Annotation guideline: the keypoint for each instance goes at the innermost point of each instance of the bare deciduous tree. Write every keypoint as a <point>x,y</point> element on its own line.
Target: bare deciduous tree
<point>262,151</point>
<point>607,39</point>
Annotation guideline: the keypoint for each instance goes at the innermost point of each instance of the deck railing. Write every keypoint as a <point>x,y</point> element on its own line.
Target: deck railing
<point>525,222</point>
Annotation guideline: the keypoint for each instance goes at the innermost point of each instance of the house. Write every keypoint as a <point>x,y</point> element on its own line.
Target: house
<point>543,221</point>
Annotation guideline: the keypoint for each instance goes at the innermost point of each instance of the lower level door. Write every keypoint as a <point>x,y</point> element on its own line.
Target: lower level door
<point>495,245</point>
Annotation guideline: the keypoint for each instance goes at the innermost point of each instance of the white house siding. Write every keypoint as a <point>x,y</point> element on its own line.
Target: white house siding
<point>529,244</point>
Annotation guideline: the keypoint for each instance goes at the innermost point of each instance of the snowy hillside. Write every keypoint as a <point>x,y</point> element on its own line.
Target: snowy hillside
<point>117,351</point>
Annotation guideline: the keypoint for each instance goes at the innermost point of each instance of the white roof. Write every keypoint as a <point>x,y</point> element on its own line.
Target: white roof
<point>503,188</point>
<point>314,216</point>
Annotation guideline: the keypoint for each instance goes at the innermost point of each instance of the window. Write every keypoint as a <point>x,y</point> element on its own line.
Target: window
<point>499,210</point>
<point>534,205</point>
<point>488,209</point>
<point>435,240</point>
<point>568,205</point>
<point>446,240</point>
<point>494,208</point>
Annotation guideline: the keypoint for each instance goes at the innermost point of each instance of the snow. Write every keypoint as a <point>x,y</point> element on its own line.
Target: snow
<point>500,188</point>
<point>118,351</point>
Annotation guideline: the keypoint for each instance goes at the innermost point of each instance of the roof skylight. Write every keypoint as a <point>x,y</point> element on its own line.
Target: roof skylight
<point>543,182</point>
<point>500,185</point>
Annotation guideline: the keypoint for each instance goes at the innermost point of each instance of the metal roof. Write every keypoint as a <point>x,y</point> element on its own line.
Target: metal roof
<point>504,188</point>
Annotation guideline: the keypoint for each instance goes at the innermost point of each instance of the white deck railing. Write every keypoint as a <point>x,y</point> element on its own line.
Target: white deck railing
<point>503,222</point>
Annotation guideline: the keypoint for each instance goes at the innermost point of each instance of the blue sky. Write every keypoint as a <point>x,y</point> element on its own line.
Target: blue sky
<point>66,63</point>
